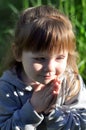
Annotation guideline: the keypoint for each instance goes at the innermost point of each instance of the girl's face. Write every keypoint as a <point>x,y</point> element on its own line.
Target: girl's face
<point>42,67</point>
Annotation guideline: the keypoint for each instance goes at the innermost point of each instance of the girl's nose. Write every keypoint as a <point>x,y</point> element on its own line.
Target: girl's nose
<point>50,66</point>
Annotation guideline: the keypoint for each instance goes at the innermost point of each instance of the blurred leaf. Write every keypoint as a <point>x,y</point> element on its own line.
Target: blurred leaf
<point>13,8</point>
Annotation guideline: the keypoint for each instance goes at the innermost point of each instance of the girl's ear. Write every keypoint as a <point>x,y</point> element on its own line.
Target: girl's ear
<point>16,53</point>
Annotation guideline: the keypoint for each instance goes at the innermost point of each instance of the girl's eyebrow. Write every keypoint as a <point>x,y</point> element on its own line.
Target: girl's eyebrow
<point>39,55</point>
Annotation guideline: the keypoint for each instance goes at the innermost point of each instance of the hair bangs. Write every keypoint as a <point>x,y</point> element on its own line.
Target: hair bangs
<point>51,35</point>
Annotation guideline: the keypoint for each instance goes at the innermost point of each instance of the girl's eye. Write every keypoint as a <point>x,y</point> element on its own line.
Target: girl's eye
<point>60,57</point>
<point>40,59</point>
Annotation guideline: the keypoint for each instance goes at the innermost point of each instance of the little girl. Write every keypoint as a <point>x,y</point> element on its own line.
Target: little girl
<point>42,89</point>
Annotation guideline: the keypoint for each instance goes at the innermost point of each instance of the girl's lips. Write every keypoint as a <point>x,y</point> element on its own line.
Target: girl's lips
<point>49,77</point>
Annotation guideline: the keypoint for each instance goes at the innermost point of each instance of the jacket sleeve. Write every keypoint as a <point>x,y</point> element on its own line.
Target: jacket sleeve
<point>12,115</point>
<point>63,118</point>
<point>69,117</point>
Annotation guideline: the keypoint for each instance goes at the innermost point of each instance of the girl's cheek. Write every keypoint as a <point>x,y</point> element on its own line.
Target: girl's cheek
<point>37,66</point>
<point>61,69</point>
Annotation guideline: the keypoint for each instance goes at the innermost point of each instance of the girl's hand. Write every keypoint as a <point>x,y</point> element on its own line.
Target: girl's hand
<point>44,96</point>
<point>56,91</point>
<point>41,97</point>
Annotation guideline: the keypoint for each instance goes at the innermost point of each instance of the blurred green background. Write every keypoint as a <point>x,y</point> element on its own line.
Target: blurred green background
<point>75,9</point>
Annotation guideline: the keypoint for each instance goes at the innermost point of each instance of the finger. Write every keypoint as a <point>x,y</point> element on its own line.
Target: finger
<point>49,109</point>
<point>48,99</point>
<point>48,91</point>
<point>57,87</point>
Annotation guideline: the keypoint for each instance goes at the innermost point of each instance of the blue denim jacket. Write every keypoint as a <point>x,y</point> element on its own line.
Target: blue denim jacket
<point>16,112</point>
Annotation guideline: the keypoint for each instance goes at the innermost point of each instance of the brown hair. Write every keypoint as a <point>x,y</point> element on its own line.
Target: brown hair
<point>44,28</point>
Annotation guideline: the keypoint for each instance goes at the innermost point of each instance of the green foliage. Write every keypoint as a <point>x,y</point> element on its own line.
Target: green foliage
<point>9,12</point>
